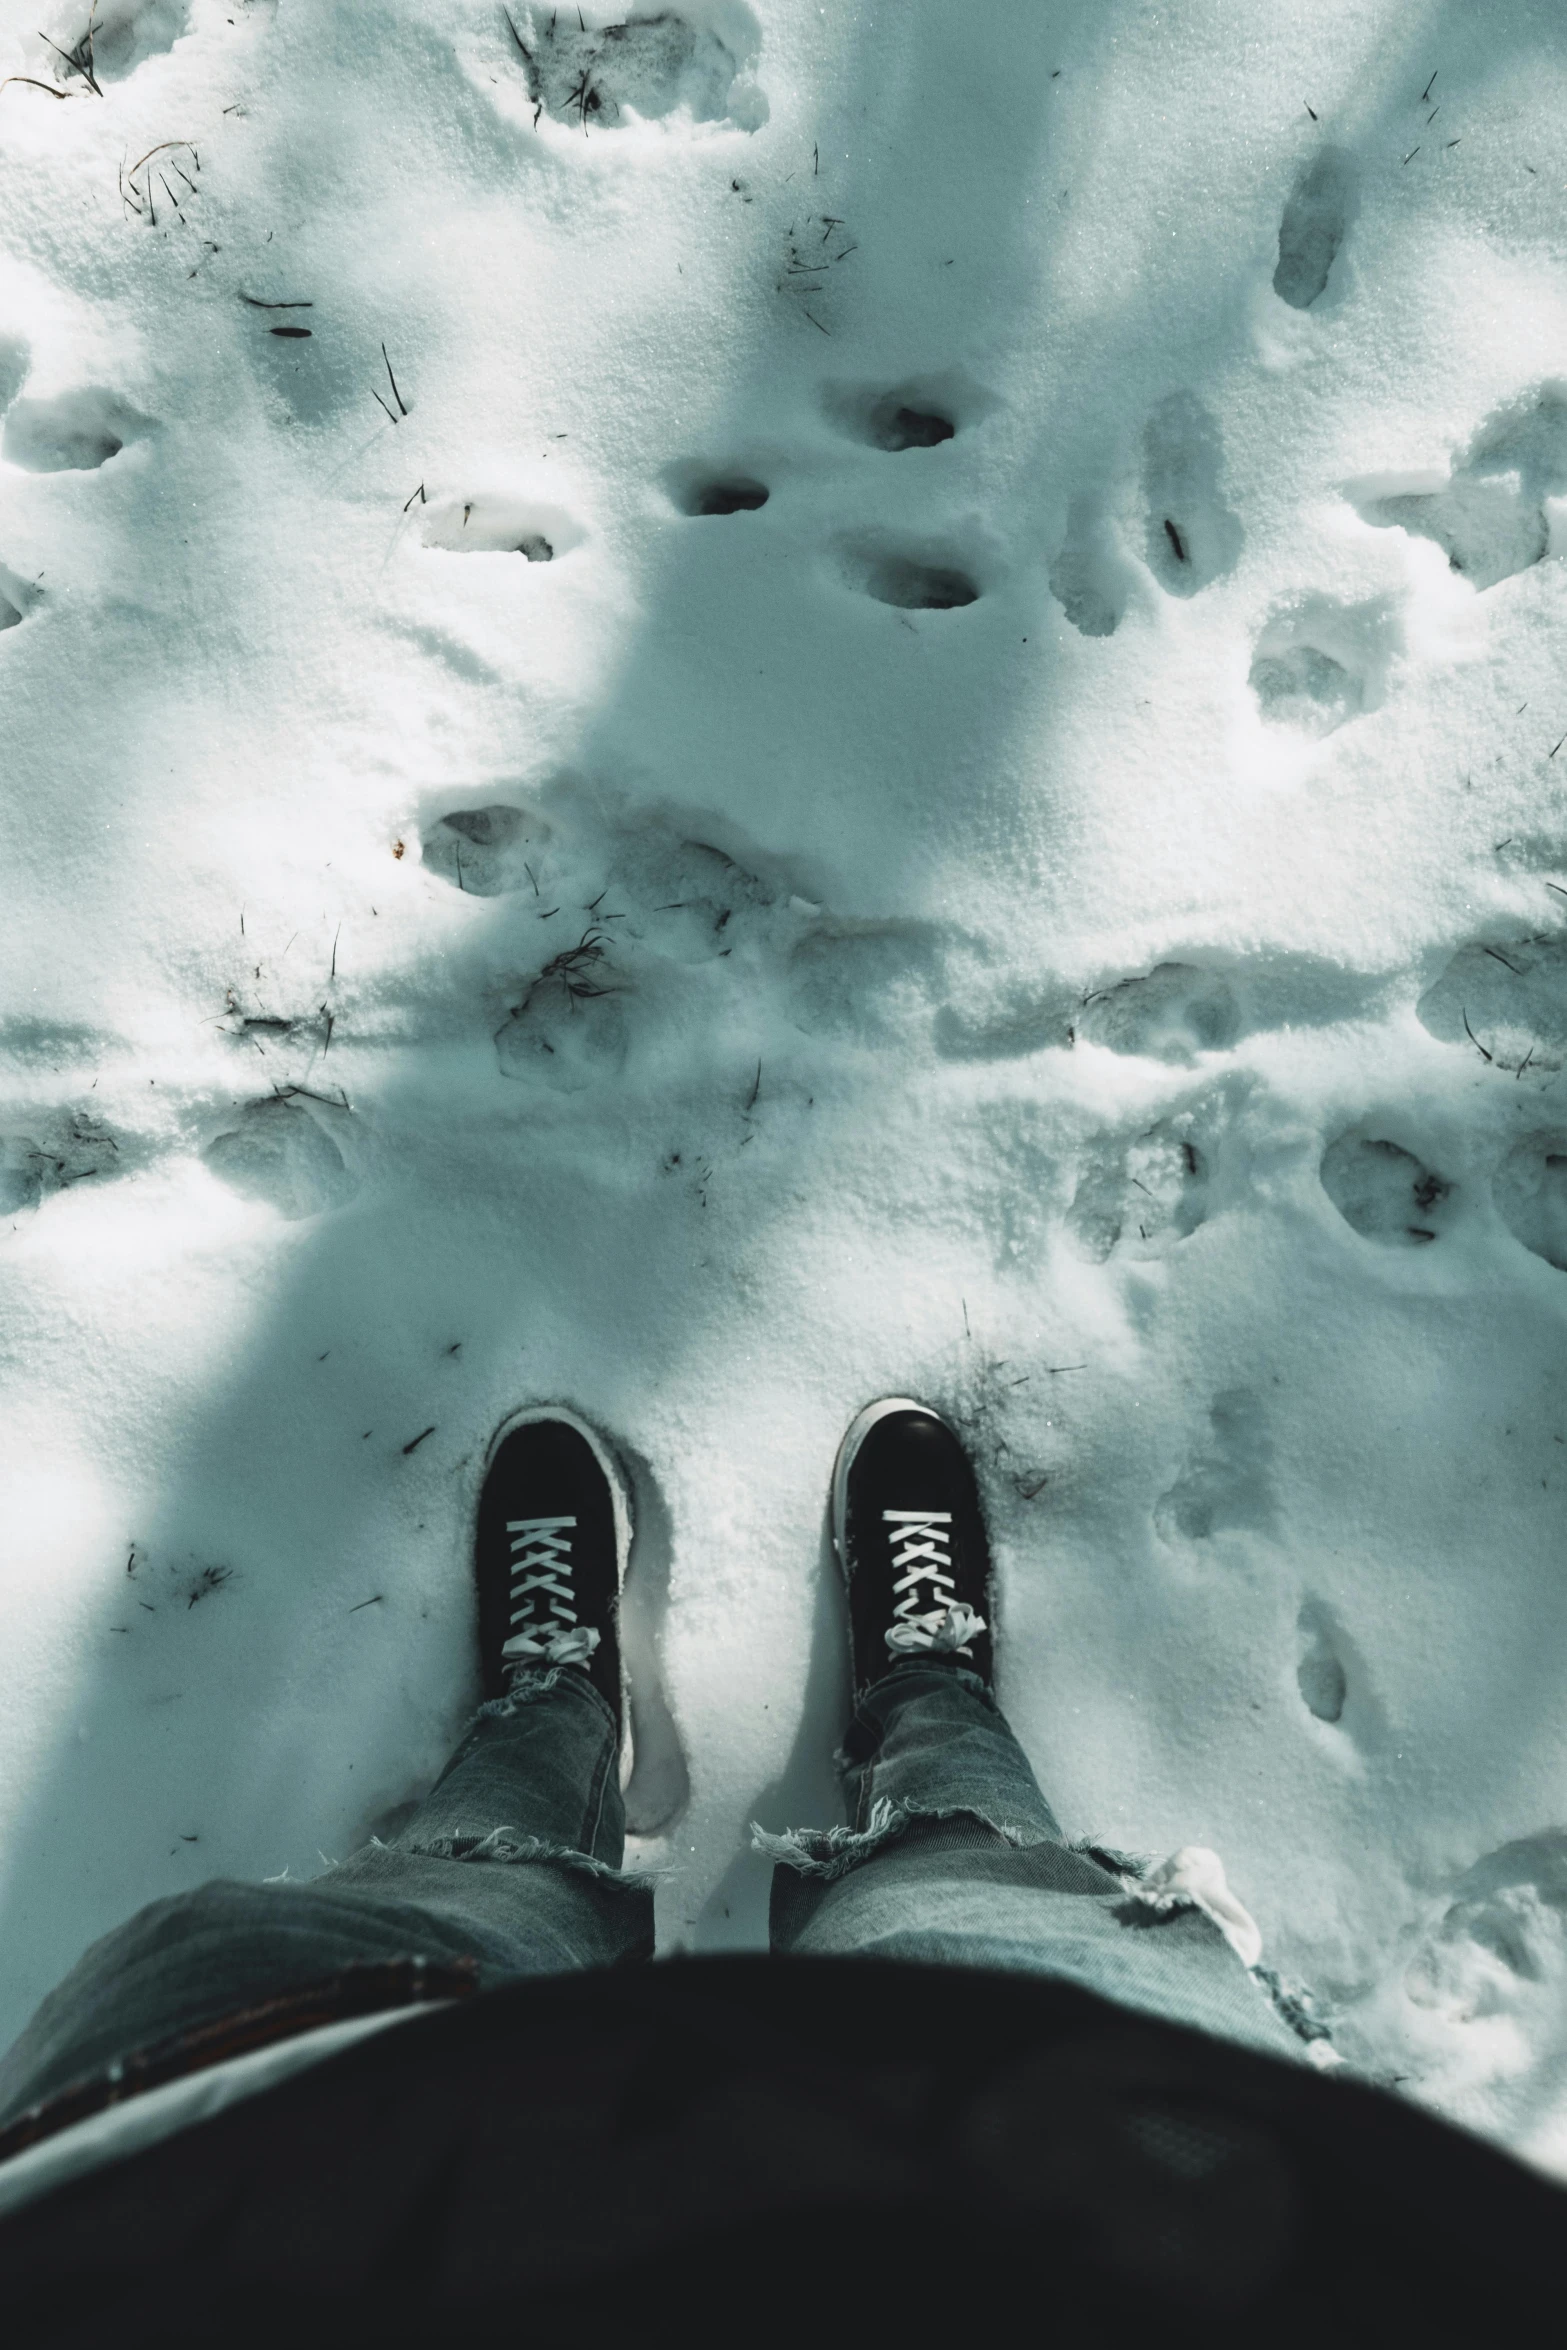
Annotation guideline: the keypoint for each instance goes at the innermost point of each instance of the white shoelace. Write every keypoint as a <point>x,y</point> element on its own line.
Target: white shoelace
<point>922,1553</point>
<point>541,1572</point>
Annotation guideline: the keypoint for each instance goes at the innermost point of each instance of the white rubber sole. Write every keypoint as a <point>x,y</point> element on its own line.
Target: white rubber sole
<point>620,1507</point>
<point>848,1452</point>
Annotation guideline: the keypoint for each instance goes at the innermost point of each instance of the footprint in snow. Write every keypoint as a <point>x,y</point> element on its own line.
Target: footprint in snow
<point>870,983</point>
<point>1489,518</point>
<point>1319,663</point>
<point>1090,579</point>
<point>688,900</point>
<point>62,1151</point>
<point>1141,1198</point>
<point>112,39</point>
<point>491,524</point>
<point>1320,1675</point>
<point>703,490</point>
<point>913,579</point>
<point>1192,536</point>
<point>1317,218</point>
<point>1004,1024</point>
<point>1384,1192</point>
<point>913,416</point>
<point>282,1151</point>
<point>643,69</point>
<point>75,432</point>
<point>1530,1191</point>
<point>1226,1486</point>
<point>1507,1003</point>
<point>486,852</point>
<point>1171,1014</point>
<point>635,873</point>
<point>567,1030</point>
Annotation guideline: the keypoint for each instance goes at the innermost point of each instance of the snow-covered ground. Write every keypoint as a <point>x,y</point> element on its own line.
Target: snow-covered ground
<point>1061,909</point>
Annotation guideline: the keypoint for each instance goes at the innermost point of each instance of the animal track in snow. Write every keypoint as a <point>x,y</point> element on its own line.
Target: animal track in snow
<point>1507,1002</point>
<point>661,885</point>
<point>700,492</point>
<point>281,1152</point>
<point>1319,1671</point>
<point>1089,578</point>
<point>73,433</point>
<point>1172,1014</point>
<point>645,67</point>
<point>1317,217</point>
<point>1226,1487</point>
<point>1490,518</point>
<point>1193,538</point>
<point>486,851</point>
<point>119,35</point>
<point>1319,664</point>
<point>1530,1190</point>
<point>686,894</point>
<point>911,580</point>
<point>1004,1024</point>
<point>920,413</point>
<point>1382,1191</point>
<point>63,1150</point>
<point>1142,1197</point>
<point>497,525</point>
<point>867,982</point>
<point>569,1028</point>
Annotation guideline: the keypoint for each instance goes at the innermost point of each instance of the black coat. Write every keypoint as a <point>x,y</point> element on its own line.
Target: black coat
<point>793,2151</point>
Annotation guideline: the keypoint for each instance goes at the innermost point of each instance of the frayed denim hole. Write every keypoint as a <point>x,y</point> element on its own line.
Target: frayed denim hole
<point>827,1853</point>
<point>509,1848</point>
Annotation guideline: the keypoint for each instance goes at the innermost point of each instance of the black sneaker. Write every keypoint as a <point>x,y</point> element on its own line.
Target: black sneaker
<point>910,1538</point>
<point>550,1554</point>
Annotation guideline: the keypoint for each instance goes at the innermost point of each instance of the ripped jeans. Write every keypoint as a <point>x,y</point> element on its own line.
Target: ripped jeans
<point>511,1867</point>
<point>956,1859</point>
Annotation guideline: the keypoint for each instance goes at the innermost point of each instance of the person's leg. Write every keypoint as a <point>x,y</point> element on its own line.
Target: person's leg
<point>509,1867</point>
<point>953,1856</point>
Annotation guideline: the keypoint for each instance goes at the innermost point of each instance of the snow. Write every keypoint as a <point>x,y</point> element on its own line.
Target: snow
<point>1001,920</point>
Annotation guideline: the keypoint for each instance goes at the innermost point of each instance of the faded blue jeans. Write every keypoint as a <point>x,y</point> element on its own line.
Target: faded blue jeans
<point>955,1858</point>
<point>512,1864</point>
<point>512,1861</point>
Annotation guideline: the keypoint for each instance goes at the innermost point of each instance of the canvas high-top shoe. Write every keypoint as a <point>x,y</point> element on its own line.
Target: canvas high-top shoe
<point>910,1538</point>
<point>550,1553</point>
